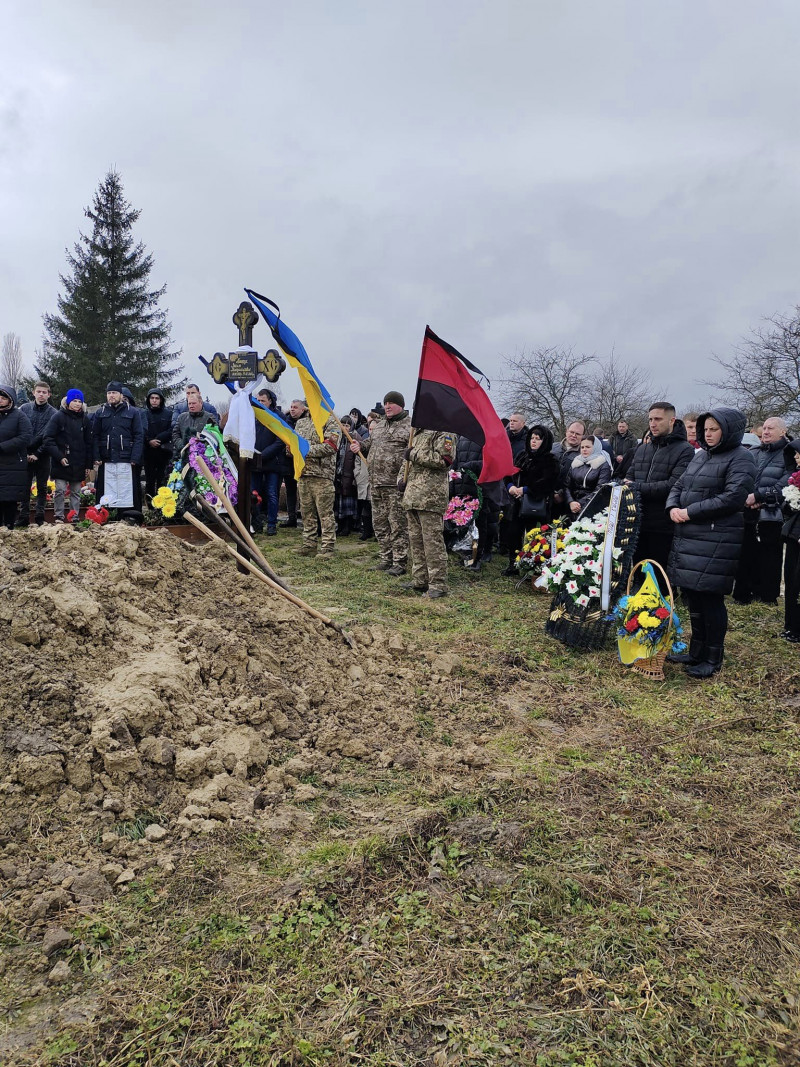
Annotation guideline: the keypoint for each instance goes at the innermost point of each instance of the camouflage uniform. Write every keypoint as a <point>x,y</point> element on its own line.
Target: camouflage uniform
<point>315,486</point>
<point>384,450</point>
<point>425,500</point>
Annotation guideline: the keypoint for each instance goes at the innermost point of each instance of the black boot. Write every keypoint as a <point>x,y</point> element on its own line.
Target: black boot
<point>712,662</point>
<point>697,645</point>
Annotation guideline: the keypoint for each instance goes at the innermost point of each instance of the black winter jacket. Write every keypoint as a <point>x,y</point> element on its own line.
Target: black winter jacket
<point>586,478</point>
<point>655,468</point>
<point>791,528</point>
<point>39,416</point>
<point>772,474</point>
<point>272,449</point>
<point>538,473</point>
<point>117,435</point>
<point>69,436</point>
<point>713,489</point>
<point>622,444</point>
<point>16,434</point>
<point>519,443</point>
<point>159,426</point>
<point>469,457</point>
<point>189,425</point>
<point>565,459</point>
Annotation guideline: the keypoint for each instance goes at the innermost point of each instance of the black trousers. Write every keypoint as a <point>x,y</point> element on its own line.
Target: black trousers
<point>291,495</point>
<point>759,574</point>
<point>41,472</point>
<point>791,578</point>
<point>8,513</point>
<point>654,545</point>
<point>487,526</point>
<point>156,461</point>
<point>712,613</point>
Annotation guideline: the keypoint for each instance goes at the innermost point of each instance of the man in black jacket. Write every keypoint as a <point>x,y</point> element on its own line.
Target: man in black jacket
<point>623,445</point>
<point>759,574</point>
<point>656,466</point>
<point>118,448</point>
<point>158,443</point>
<point>518,435</point>
<point>39,412</point>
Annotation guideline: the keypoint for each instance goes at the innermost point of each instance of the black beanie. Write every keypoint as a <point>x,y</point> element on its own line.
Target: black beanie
<point>114,387</point>
<point>394,397</point>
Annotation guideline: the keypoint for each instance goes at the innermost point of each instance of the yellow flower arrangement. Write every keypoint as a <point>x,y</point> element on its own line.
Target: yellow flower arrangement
<point>166,501</point>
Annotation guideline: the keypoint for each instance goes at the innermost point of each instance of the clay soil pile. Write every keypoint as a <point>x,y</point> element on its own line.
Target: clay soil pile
<point>153,693</point>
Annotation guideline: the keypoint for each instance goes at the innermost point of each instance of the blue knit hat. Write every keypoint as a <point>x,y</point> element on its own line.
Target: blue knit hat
<point>74,394</point>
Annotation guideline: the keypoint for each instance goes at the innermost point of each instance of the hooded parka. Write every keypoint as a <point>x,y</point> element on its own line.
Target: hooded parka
<point>159,425</point>
<point>713,489</point>
<point>16,434</point>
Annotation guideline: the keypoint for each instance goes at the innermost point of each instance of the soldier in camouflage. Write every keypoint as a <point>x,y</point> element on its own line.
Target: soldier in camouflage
<point>315,489</point>
<point>384,449</point>
<point>425,501</point>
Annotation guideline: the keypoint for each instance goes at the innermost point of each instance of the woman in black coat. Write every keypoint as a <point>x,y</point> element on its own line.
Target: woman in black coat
<point>16,434</point>
<point>706,505</point>
<point>532,486</point>
<point>791,565</point>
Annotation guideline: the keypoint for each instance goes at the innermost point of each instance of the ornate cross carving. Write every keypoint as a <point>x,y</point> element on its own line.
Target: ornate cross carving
<point>245,318</point>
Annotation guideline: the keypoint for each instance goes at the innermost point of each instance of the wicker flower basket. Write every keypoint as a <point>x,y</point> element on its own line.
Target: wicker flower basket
<point>653,666</point>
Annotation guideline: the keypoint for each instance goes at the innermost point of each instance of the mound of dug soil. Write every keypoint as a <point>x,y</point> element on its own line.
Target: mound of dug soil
<point>152,693</point>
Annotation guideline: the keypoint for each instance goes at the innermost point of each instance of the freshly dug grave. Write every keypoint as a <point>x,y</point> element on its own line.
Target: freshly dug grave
<point>154,693</point>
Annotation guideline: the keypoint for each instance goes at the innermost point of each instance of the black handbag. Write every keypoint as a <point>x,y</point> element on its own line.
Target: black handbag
<point>534,507</point>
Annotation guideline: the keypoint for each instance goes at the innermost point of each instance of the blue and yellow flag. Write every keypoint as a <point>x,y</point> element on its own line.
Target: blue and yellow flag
<point>319,400</point>
<point>297,445</point>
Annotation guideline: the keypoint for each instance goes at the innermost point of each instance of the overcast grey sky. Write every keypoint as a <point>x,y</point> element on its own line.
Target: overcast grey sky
<point>605,174</point>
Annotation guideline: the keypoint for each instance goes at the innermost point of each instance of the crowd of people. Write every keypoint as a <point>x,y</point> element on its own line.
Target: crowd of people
<point>712,508</point>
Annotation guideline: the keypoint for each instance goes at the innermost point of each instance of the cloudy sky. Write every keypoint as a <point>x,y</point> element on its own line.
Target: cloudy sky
<point>619,174</point>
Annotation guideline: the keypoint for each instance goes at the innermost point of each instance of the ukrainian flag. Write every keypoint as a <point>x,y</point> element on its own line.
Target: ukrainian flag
<point>319,400</point>
<point>297,445</point>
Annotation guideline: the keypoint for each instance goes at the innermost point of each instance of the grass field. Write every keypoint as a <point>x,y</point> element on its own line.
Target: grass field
<point>613,877</point>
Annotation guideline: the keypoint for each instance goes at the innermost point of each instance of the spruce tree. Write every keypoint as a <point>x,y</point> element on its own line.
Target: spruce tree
<point>109,325</point>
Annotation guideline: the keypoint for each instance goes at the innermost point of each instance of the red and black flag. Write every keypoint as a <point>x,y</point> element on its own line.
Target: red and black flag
<point>448,398</point>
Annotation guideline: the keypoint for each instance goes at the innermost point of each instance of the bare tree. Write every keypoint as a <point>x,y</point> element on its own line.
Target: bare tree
<point>11,360</point>
<point>550,384</point>
<point>762,376</point>
<point>618,391</point>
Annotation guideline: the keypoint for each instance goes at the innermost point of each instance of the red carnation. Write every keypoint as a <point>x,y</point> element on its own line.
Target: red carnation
<point>72,515</point>
<point>544,529</point>
<point>661,613</point>
<point>632,624</point>
<point>97,515</point>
